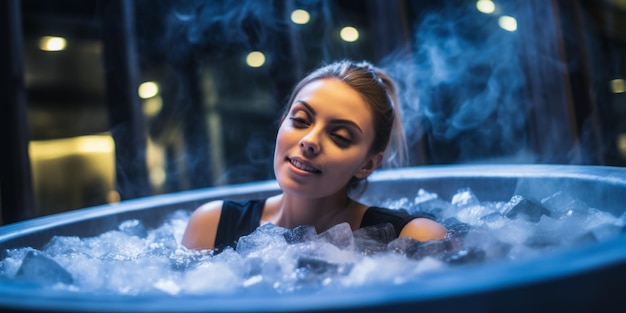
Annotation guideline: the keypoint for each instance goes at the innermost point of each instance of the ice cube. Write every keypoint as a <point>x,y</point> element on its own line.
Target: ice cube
<point>494,248</point>
<point>472,214</point>
<point>527,209</point>
<point>12,262</point>
<point>562,204</point>
<point>396,204</point>
<point>133,227</point>
<point>39,269</point>
<point>514,232</point>
<point>549,232</point>
<point>300,234</point>
<point>403,245</point>
<point>339,235</point>
<point>114,245</point>
<point>438,207</point>
<point>181,260</point>
<point>424,196</point>
<point>384,233</point>
<point>310,274</point>
<point>494,220</point>
<point>464,197</point>
<point>374,239</point>
<point>60,245</point>
<point>266,236</point>
<point>597,217</point>
<point>433,248</point>
<point>319,267</point>
<point>456,229</point>
<point>585,238</point>
<point>606,231</point>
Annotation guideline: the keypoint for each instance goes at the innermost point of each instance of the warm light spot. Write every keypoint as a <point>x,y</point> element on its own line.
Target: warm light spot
<point>618,85</point>
<point>300,17</point>
<point>148,90</point>
<point>486,6</point>
<point>152,106</point>
<point>508,23</point>
<point>113,196</point>
<point>349,34</point>
<point>77,170</point>
<point>255,59</point>
<point>50,149</point>
<point>94,144</point>
<point>621,145</point>
<point>155,160</point>
<point>52,43</point>
<point>157,176</point>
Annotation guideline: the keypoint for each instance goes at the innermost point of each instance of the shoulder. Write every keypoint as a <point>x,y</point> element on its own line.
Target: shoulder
<point>208,210</point>
<point>202,226</point>
<point>424,229</point>
<point>419,225</point>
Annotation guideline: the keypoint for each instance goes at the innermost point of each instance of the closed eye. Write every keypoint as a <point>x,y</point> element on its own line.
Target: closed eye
<point>299,122</point>
<point>342,141</point>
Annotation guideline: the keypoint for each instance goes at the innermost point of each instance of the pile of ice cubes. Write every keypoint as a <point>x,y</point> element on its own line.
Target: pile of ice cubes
<point>273,260</point>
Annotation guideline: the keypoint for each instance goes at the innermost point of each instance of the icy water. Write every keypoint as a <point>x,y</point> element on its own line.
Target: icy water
<point>134,260</point>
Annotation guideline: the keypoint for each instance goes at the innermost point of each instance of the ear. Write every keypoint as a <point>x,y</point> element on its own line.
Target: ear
<point>369,166</point>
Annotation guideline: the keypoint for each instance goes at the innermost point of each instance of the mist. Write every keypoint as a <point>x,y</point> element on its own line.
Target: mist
<point>463,83</point>
<point>467,86</point>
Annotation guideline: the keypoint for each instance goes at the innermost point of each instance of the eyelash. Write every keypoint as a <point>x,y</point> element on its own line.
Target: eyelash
<point>343,140</point>
<point>299,122</point>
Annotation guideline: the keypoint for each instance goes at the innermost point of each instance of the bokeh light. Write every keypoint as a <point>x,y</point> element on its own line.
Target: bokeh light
<point>349,34</point>
<point>486,6</point>
<point>300,17</point>
<point>148,90</point>
<point>508,23</point>
<point>52,43</point>
<point>255,59</point>
<point>152,106</point>
<point>618,85</point>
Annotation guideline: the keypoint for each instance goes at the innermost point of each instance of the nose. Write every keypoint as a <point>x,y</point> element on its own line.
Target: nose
<point>309,144</point>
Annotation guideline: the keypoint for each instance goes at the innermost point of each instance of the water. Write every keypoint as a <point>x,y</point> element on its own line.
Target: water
<point>133,260</point>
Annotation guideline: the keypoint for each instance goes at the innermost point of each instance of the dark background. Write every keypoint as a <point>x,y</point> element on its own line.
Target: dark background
<point>75,133</point>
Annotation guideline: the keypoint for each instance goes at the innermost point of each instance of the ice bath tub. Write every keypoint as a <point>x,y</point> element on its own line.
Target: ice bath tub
<point>583,278</point>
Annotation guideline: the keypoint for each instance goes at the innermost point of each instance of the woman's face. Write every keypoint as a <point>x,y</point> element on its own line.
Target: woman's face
<point>324,140</point>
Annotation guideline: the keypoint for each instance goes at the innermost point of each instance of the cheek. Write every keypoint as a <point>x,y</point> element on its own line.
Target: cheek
<point>282,137</point>
<point>348,162</point>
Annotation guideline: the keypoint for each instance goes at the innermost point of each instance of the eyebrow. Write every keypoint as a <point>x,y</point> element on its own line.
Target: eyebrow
<point>336,121</point>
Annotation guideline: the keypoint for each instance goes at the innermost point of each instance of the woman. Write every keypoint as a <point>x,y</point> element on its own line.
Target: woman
<point>339,125</point>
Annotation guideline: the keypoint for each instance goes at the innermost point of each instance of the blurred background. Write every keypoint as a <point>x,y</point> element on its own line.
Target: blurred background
<point>110,100</point>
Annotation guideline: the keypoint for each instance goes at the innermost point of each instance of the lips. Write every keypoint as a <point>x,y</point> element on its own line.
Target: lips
<point>303,165</point>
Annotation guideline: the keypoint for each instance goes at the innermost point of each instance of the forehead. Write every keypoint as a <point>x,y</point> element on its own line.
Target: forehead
<point>336,99</point>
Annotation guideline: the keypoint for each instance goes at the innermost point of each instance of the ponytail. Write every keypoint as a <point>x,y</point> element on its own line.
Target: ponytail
<point>396,154</point>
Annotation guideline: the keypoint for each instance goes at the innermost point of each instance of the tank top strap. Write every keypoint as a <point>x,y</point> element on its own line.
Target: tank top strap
<point>238,218</point>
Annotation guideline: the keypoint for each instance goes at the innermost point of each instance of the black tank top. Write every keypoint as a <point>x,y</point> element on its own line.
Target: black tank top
<point>241,217</point>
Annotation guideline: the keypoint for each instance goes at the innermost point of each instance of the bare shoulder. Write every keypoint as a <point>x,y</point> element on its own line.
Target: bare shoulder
<point>202,226</point>
<point>211,207</point>
<point>424,229</point>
